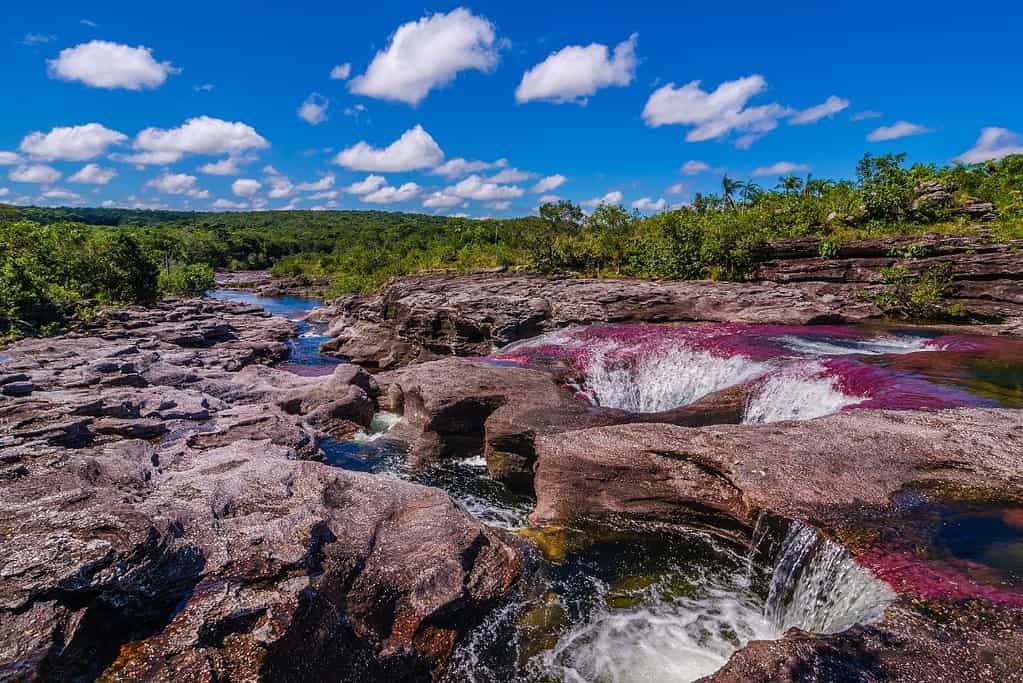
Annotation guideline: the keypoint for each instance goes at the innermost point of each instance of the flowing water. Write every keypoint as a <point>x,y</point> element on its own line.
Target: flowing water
<point>788,373</point>
<point>616,603</point>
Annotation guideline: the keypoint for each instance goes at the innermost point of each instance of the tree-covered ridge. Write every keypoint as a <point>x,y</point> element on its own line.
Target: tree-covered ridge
<point>52,260</point>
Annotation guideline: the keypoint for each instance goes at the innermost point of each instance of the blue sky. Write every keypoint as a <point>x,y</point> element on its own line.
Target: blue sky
<point>197,105</point>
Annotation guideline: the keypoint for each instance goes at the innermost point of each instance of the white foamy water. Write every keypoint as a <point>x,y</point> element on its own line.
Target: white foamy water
<point>815,586</point>
<point>797,392</point>
<point>678,641</point>
<point>818,586</point>
<point>664,379</point>
<point>877,346</point>
<point>382,423</point>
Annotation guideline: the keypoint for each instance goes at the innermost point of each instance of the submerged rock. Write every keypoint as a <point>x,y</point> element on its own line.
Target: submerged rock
<point>178,527</point>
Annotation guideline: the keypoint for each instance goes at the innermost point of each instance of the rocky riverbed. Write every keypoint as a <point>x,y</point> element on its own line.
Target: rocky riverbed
<point>166,517</point>
<point>744,482</point>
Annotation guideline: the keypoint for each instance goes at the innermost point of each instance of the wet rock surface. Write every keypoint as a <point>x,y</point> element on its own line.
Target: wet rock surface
<point>847,475</point>
<point>166,517</point>
<point>423,318</point>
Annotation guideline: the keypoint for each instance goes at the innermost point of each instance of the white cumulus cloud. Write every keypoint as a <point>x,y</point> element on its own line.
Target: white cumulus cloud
<point>781,168</point>
<point>899,129</point>
<point>548,184</point>
<point>314,109</point>
<point>676,189</point>
<point>694,167</point>
<point>341,72</point>
<point>201,135</point>
<point>577,72</point>
<point>229,205</point>
<point>828,107</point>
<point>9,158</point>
<point>366,185</point>
<point>428,53</point>
<point>993,143</point>
<point>715,114</point>
<point>511,175</point>
<point>178,184</point>
<point>61,195</point>
<point>392,195</point>
<point>648,205</point>
<point>613,197</point>
<point>458,167</point>
<point>415,149</point>
<point>229,166</point>
<point>440,200</point>
<point>102,64</point>
<point>71,143</point>
<point>38,173</point>
<point>864,115</point>
<point>93,174</point>
<point>475,187</point>
<point>245,187</point>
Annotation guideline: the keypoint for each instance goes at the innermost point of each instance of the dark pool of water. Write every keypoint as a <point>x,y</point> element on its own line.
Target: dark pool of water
<point>991,536</point>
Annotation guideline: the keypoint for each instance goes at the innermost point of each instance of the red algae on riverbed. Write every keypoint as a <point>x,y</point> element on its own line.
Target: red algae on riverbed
<point>857,367</point>
<point>950,580</point>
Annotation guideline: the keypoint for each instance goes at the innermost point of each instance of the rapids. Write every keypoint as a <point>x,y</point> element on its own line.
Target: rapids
<point>788,372</point>
<point>626,603</point>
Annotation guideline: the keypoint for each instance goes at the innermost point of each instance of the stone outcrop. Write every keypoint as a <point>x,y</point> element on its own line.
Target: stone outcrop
<point>456,408</point>
<point>165,517</point>
<point>423,318</point>
<point>869,479</point>
<point>262,283</point>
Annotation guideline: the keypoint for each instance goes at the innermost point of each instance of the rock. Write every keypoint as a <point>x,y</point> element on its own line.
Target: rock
<point>456,408</point>
<point>869,479</point>
<point>182,530</point>
<point>416,319</point>
<point>843,461</point>
<point>17,388</point>
<point>263,283</point>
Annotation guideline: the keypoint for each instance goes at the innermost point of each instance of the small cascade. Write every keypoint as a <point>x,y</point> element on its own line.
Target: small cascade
<point>382,422</point>
<point>663,379</point>
<point>818,586</point>
<point>797,392</point>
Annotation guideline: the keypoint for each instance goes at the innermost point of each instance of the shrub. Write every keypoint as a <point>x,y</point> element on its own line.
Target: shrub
<point>919,297</point>
<point>187,280</point>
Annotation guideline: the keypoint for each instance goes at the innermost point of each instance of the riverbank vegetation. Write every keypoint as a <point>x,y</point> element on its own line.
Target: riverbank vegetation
<point>56,263</point>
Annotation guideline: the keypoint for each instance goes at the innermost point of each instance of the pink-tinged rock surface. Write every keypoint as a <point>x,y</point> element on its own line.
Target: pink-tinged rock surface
<point>422,318</point>
<point>165,516</point>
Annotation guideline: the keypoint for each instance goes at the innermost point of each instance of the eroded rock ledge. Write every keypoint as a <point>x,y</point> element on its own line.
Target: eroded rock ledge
<point>424,318</point>
<point>865,478</point>
<point>165,518</point>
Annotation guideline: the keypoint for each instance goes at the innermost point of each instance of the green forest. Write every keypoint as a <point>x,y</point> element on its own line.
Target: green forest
<point>60,264</point>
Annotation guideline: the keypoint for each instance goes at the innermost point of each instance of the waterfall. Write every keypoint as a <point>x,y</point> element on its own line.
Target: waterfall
<point>818,586</point>
<point>663,379</point>
<point>797,392</point>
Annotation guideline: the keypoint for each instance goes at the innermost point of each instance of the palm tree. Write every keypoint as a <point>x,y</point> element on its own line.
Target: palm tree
<point>729,186</point>
<point>790,183</point>
<point>750,192</point>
